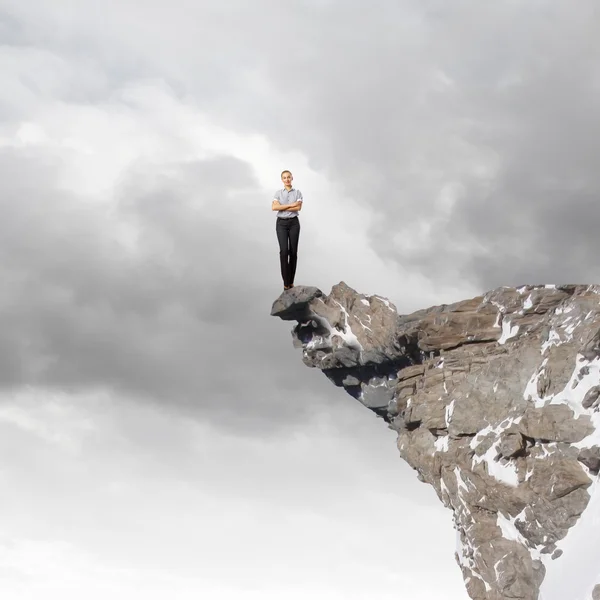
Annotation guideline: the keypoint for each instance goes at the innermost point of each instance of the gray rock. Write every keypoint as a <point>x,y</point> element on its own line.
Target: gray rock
<point>511,443</point>
<point>350,380</point>
<point>377,393</point>
<point>477,393</point>
<point>590,400</point>
<point>590,457</point>
<point>556,477</point>
<point>591,345</point>
<point>292,304</point>
<point>555,423</point>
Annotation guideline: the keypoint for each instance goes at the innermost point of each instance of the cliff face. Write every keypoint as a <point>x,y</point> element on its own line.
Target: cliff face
<point>495,400</point>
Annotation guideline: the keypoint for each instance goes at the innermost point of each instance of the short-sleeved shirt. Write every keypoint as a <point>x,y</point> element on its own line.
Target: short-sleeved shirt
<point>286,197</point>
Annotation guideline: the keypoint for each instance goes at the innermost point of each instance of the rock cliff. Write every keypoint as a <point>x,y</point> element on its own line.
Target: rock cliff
<point>495,400</point>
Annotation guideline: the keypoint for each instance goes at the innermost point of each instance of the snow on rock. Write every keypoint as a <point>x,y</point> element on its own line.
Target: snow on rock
<point>496,404</point>
<point>508,331</point>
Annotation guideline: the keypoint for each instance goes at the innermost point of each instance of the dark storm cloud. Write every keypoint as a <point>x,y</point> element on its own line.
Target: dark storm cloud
<point>182,319</point>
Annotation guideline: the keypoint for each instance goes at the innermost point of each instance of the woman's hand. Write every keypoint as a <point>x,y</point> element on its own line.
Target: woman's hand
<point>277,206</point>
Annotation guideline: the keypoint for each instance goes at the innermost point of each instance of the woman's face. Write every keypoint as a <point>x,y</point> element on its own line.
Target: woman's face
<point>287,179</point>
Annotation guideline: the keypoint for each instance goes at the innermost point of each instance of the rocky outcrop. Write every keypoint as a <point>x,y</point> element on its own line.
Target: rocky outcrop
<point>496,403</point>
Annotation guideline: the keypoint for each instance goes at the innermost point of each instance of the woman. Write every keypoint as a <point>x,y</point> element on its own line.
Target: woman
<point>288,203</point>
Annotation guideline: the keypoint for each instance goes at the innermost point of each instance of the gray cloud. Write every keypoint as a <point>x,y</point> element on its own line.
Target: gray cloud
<point>469,132</point>
<point>492,103</point>
<point>402,104</point>
<point>182,318</point>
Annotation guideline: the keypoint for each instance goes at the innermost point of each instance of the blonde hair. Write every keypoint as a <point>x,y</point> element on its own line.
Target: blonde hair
<point>286,171</point>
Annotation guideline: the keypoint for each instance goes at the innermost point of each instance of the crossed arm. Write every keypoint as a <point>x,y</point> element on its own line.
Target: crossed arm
<point>294,207</point>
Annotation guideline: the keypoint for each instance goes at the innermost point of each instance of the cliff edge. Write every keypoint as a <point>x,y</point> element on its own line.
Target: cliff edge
<point>495,400</point>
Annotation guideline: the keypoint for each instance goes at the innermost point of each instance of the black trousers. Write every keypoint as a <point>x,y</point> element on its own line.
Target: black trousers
<point>288,233</point>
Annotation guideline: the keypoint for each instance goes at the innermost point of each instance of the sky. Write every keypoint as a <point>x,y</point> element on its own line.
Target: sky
<point>161,436</point>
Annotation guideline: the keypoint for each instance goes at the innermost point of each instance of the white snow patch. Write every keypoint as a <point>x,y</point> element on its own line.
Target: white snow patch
<point>508,332</point>
<point>509,531</point>
<point>461,553</point>
<point>481,435</point>
<point>574,398</point>
<point>459,480</point>
<point>501,308</point>
<point>441,443</point>
<point>386,302</point>
<point>577,571</point>
<point>570,329</point>
<point>531,392</point>
<point>545,450</point>
<point>364,302</point>
<point>576,388</point>
<point>553,340</point>
<point>363,325</point>
<point>319,341</point>
<point>498,317</point>
<point>444,488</point>
<point>325,341</point>
<point>449,411</point>
<point>505,473</point>
<point>562,310</point>
<point>528,302</point>
<point>496,570</point>
<point>348,335</point>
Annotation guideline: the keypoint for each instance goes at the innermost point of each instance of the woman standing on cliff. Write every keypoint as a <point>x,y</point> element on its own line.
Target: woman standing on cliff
<point>288,203</point>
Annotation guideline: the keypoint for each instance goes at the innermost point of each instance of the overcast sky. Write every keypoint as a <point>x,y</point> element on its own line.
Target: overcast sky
<point>160,436</point>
